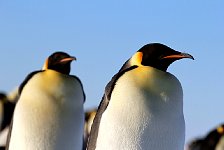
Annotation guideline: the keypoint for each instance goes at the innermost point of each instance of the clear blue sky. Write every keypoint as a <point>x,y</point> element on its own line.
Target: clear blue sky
<point>103,35</point>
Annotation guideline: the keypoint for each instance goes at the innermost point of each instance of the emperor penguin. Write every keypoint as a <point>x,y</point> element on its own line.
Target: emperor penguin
<point>142,106</point>
<point>6,111</point>
<point>7,105</point>
<point>49,114</point>
<point>214,140</point>
<point>89,117</point>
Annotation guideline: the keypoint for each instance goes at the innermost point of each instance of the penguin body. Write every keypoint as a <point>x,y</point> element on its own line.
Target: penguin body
<point>49,114</point>
<point>137,119</point>
<point>142,107</point>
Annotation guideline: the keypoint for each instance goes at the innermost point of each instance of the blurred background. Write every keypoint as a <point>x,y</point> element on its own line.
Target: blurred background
<point>103,35</point>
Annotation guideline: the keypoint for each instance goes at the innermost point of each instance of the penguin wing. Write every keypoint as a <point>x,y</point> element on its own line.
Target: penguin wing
<point>103,105</point>
<point>84,95</point>
<point>19,92</point>
<point>95,126</point>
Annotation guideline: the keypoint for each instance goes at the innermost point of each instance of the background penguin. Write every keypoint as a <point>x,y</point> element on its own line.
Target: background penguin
<point>142,107</point>
<point>214,140</point>
<point>7,105</point>
<point>89,117</point>
<point>6,111</point>
<point>49,114</point>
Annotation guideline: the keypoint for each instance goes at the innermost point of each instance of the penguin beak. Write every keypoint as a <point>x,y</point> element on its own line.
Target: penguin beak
<point>67,59</point>
<point>179,56</point>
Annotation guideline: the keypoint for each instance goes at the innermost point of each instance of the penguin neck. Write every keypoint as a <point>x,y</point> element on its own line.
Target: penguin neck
<point>53,83</point>
<point>148,76</point>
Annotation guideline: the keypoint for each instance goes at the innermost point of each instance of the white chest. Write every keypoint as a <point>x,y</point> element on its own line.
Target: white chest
<point>48,116</point>
<point>145,112</point>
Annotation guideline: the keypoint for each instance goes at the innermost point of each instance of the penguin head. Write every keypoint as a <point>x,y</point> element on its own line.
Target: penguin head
<point>60,62</point>
<point>157,55</point>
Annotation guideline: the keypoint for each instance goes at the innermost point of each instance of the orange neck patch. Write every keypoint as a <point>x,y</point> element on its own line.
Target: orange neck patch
<point>220,130</point>
<point>137,59</point>
<point>45,66</point>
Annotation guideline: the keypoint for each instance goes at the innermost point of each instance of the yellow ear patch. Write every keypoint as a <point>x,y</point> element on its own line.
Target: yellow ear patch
<point>45,66</point>
<point>137,59</point>
<point>220,130</point>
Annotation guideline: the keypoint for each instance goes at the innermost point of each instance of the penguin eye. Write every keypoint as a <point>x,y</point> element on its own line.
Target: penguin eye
<point>161,57</point>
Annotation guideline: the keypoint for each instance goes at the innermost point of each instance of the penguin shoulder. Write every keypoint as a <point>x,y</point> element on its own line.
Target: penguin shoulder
<point>28,77</point>
<point>53,83</point>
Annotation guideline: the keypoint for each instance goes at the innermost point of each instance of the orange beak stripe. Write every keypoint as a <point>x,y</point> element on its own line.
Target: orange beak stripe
<point>68,59</point>
<point>179,56</point>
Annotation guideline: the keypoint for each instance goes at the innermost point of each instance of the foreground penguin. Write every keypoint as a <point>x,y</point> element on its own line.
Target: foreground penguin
<point>49,114</point>
<point>142,107</point>
<point>214,140</point>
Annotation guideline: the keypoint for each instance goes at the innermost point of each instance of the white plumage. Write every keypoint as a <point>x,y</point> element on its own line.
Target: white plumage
<point>49,114</point>
<point>145,103</point>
